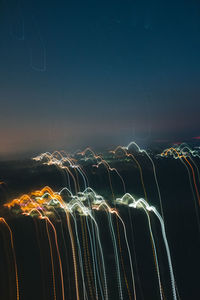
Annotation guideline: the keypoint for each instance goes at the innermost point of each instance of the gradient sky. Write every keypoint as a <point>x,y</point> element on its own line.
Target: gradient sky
<point>77,73</point>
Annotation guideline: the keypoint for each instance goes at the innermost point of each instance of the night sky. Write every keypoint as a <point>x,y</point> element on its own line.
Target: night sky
<point>99,73</point>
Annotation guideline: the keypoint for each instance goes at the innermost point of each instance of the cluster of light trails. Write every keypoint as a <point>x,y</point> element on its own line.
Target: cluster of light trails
<point>90,245</point>
<point>186,155</point>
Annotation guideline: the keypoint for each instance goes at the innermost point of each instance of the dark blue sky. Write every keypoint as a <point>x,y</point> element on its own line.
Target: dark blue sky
<point>77,73</point>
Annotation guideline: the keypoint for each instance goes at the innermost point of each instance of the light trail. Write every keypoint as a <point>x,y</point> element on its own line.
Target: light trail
<point>184,156</point>
<point>141,203</point>
<point>14,256</point>
<point>80,223</point>
<point>39,201</point>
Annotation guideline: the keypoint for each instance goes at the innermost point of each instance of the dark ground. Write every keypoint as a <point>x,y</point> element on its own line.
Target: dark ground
<point>181,212</point>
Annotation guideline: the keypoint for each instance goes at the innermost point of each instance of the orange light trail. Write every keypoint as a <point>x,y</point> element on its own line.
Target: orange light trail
<point>14,257</point>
